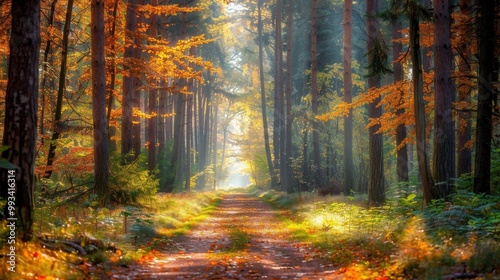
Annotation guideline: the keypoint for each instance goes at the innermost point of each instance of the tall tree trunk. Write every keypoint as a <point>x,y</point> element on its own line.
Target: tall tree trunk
<point>306,170</point>
<point>153,96</point>
<point>20,125</point>
<point>111,86</point>
<point>181,149</point>
<point>426,60</point>
<point>278,144</point>
<point>136,95</point>
<point>464,154</point>
<point>169,120</point>
<point>419,105</point>
<point>272,173</point>
<point>179,110</point>
<point>402,153</point>
<point>348,162</point>
<point>45,64</point>
<point>162,111</point>
<point>58,125</point>
<point>152,129</point>
<point>486,26</point>
<point>314,94</point>
<point>101,152</point>
<point>189,133</point>
<point>205,111</point>
<point>128,83</point>
<point>214,138</point>
<point>288,174</point>
<point>376,188</point>
<point>174,162</point>
<point>444,134</point>
<point>224,137</point>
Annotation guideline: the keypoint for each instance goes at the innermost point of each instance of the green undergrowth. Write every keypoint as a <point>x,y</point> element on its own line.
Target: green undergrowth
<point>239,240</point>
<point>125,234</point>
<point>399,240</point>
<point>174,216</point>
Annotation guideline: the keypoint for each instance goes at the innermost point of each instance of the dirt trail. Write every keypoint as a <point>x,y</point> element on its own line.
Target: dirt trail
<point>214,250</point>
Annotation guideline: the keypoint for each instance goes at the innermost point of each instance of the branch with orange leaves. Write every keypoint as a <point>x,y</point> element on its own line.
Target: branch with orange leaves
<point>397,100</point>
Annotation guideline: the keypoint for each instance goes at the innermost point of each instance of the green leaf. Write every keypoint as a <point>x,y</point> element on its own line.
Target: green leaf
<point>5,164</point>
<point>4,148</point>
<point>125,213</point>
<point>411,196</point>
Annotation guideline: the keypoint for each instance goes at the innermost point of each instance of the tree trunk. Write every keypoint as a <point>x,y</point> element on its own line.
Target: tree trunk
<point>205,111</point>
<point>177,141</point>
<point>101,152</point>
<point>376,188</point>
<point>464,154</point>
<point>162,111</point>
<point>45,64</point>
<point>189,135</point>
<point>112,82</point>
<point>288,178</point>
<point>402,153</point>
<point>314,94</point>
<point>214,138</point>
<point>136,95</point>
<point>58,125</point>
<point>426,60</point>
<point>306,170</point>
<point>444,134</point>
<point>348,162</point>
<point>20,125</point>
<point>419,105</point>
<point>128,83</point>
<point>153,96</point>
<point>278,144</point>
<point>486,26</point>
<point>272,174</point>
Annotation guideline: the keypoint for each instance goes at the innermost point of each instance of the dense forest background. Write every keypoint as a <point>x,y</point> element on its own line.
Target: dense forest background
<point>110,102</point>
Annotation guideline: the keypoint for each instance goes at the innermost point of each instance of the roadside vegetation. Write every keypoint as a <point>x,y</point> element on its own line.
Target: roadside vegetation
<point>454,239</point>
<point>77,241</point>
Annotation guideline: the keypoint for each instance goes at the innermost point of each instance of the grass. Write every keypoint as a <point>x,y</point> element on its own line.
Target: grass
<point>148,228</point>
<point>398,240</point>
<point>239,240</point>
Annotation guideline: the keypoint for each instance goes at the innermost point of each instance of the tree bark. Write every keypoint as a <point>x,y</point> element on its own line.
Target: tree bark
<point>278,132</point>
<point>58,125</point>
<point>214,138</point>
<point>152,102</point>
<point>189,132</point>
<point>348,162</point>
<point>101,150</point>
<point>21,108</point>
<point>128,83</point>
<point>419,105</point>
<point>426,60</point>
<point>464,154</point>
<point>205,112</point>
<point>402,152</point>
<point>484,127</point>
<point>272,173</point>
<point>444,134</point>
<point>111,86</point>
<point>288,178</point>
<point>314,94</point>
<point>136,95</point>
<point>376,188</point>
<point>45,63</point>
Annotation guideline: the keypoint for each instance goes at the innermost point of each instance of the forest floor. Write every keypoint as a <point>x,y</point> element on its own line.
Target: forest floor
<point>244,238</point>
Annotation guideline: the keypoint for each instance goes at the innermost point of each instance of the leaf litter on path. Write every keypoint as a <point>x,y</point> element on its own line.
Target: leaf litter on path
<point>242,239</point>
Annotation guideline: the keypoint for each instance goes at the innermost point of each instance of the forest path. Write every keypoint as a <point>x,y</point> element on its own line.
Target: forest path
<point>242,239</point>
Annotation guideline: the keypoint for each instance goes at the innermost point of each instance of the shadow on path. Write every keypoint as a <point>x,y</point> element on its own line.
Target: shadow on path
<point>214,250</point>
